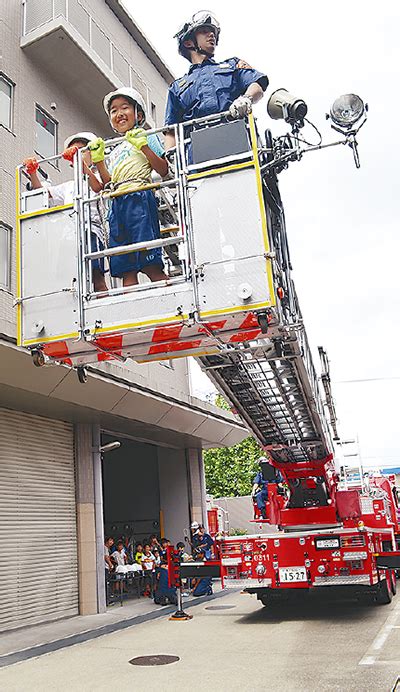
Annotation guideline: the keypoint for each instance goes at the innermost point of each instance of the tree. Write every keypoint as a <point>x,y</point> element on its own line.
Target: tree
<point>230,471</point>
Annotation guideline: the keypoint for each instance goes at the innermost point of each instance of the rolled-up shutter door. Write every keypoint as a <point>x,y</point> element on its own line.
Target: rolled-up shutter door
<point>38,560</point>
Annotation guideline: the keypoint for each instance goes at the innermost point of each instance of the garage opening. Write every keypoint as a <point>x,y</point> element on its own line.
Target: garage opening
<point>131,490</point>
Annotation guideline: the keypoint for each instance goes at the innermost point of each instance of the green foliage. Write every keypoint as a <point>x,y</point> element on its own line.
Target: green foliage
<point>238,532</point>
<point>230,470</point>
<point>222,403</point>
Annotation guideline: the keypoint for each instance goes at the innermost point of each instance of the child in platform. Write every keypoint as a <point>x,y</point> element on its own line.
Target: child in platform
<point>64,193</point>
<point>133,216</point>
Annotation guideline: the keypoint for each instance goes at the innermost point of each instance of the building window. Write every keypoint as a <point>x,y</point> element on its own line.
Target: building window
<point>5,256</point>
<point>46,134</point>
<point>6,95</point>
<point>154,112</point>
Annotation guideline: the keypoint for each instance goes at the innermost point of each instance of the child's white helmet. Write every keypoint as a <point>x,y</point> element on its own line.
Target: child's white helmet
<point>129,93</point>
<point>79,137</point>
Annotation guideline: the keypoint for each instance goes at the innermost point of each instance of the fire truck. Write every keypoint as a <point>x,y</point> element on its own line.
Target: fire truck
<point>230,301</point>
<point>324,535</point>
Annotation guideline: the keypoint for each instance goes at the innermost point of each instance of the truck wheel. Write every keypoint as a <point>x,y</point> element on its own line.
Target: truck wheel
<point>393,582</point>
<point>38,358</point>
<point>274,599</point>
<point>367,598</point>
<point>384,592</point>
<point>82,374</point>
<point>263,322</point>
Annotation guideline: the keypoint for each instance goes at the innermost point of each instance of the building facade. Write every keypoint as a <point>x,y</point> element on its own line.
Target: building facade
<point>59,493</point>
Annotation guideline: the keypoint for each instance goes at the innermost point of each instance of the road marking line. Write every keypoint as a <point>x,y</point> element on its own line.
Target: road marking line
<point>370,657</point>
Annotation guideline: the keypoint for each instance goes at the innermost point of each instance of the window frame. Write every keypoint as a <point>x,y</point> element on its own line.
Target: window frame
<point>43,111</point>
<point>9,230</point>
<point>11,84</point>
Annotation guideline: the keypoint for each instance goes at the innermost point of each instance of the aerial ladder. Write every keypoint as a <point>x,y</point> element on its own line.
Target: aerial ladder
<point>228,300</point>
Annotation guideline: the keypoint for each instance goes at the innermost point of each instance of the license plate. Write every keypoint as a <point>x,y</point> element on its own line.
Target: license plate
<point>326,543</point>
<point>292,574</point>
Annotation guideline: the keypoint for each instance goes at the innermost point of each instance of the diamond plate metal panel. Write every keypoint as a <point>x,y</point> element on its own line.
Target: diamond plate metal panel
<point>246,583</point>
<point>156,305</point>
<point>342,580</point>
<point>222,285</point>
<point>228,241</point>
<point>49,270</point>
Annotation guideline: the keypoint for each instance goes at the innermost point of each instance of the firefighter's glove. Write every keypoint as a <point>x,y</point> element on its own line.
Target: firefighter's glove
<point>31,165</point>
<point>68,154</point>
<point>97,147</point>
<point>240,107</point>
<point>137,138</point>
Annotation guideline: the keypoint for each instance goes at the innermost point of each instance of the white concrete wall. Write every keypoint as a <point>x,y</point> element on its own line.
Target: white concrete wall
<point>240,514</point>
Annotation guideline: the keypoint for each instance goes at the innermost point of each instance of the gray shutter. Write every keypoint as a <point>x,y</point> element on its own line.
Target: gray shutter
<point>38,559</point>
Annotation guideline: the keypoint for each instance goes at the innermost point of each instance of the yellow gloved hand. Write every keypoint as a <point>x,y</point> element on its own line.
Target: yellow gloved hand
<point>97,147</point>
<point>136,137</point>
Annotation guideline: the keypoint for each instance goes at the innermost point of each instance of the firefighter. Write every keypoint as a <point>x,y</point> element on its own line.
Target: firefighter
<point>202,542</point>
<point>210,87</point>
<point>266,474</point>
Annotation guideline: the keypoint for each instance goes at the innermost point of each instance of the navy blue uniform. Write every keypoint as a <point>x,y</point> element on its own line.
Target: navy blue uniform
<point>208,88</point>
<point>164,593</point>
<point>261,495</point>
<point>204,587</point>
<point>206,541</point>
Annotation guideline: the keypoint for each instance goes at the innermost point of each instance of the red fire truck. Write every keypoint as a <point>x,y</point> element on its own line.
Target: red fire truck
<point>324,536</point>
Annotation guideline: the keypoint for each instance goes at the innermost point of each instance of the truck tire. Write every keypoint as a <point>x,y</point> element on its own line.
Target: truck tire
<point>272,599</point>
<point>384,593</point>
<point>367,599</point>
<point>393,582</point>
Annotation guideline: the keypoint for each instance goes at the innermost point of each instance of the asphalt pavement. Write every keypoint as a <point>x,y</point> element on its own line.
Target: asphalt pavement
<point>232,643</point>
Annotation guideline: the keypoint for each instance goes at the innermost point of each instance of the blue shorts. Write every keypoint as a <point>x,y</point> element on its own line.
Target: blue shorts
<point>134,219</point>
<point>97,246</point>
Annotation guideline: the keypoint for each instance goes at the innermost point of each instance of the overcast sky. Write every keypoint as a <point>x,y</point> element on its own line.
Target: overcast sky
<point>343,224</point>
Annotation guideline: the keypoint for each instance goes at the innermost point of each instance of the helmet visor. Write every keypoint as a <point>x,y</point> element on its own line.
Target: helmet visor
<point>199,19</point>
<point>205,18</point>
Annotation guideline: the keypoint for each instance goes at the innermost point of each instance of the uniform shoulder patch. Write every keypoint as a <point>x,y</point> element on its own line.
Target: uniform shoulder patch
<point>181,82</point>
<point>243,65</point>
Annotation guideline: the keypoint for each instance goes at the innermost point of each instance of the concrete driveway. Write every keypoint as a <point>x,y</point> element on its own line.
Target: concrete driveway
<point>233,643</point>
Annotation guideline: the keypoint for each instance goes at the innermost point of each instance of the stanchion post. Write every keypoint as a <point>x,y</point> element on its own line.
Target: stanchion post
<point>174,579</point>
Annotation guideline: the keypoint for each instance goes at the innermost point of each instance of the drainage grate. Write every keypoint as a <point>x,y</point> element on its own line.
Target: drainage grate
<point>220,607</point>
<point>157,660</point>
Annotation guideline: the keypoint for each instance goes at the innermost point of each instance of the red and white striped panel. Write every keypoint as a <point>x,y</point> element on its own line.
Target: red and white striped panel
<point>169,341</point>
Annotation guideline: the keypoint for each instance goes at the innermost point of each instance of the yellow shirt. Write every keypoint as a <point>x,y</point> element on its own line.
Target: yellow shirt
<point>129,165</point>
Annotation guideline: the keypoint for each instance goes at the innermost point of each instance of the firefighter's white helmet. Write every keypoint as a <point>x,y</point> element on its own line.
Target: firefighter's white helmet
<point>129,93</point>
<point>200,19</point>
<point>79,137</point>
<point>194,525</point>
